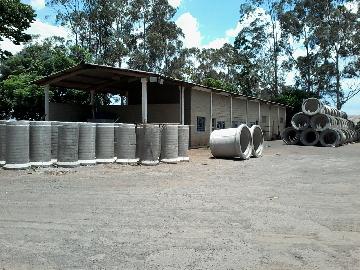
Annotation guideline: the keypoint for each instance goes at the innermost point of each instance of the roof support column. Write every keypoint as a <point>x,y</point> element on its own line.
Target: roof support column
<point>211,112</point>
<point>46,102</point>
<point>231,111</point>
<point>278,119</point>
<point>247,112</point>
<point>270,131</point>
<point>144,100</point>
<point>92,103</point>
<point>182,105</point>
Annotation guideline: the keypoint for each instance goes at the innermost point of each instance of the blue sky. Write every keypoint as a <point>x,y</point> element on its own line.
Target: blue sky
<point>205,23</point>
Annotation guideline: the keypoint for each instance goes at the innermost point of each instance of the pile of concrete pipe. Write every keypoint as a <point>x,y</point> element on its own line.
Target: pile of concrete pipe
<point>321,125</point>
<point>25,144</point>
<point>242,142</point>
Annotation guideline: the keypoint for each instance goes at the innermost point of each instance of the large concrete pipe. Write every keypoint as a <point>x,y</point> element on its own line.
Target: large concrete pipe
<point>125,149</point>
<point>183,143</point>
<point>321,122</point>
<point>87,138</point>
<point>309,137</point>
<point>68,145</point>
<point>40,143</point>
<point>330,138</point>
<point>169,144</point>
<point>2,142</point>
<point>54,140</point>
<point>290,136</point>
<point>313,106</point>
<point>105,143</point>
<point>150,144</point>
<point>300,121</point>
<point>231,143</point>
<point>17,145</point>
<point>257,140</point>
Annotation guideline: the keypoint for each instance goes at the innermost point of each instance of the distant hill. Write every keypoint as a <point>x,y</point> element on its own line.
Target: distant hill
<point>355,118</point>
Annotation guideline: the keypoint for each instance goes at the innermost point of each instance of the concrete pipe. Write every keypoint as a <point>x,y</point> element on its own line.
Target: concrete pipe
<point>54,140</point>
<point>105,143</point>
<point>149,140</point>
<point>17,145</point>
<point>125,149</point>
<point>290,136</point>
<point>231,143</point>
<point>309,137</point>
<point>68,145</point>
<point>40,144</point>
<point>312,106</point>
<point>300,121</point>
<point>87,139</point>
<point>2,142</point>
<point>258,141</point>
<point>169,144</point>
<point>342,136</point>
<point>183,143</point>
<point>321,122</point>
<point>330,138</point>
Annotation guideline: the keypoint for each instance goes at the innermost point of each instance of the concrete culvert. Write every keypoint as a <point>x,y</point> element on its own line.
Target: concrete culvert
<point>183,143</point>
<point>321,122</point>
<point>54,140</point>
<point>2,142</point>
<point>68,146</point>
<point>290,136</point>
<point>17,145</point>
<point>105,143</point>
<point>258,141</point>
<point>309,137</point>
<point>300,121</point>
<point>330,138</point>
<point>169,144</point>
<point>149,139</point>
<point>125,149</point>
<point>231,143</point>
<point>40,143</point>
<point>87,138</point>
<point>312,106</point>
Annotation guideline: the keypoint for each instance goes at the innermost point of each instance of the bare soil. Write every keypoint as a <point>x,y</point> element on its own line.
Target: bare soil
<point>295,208</point>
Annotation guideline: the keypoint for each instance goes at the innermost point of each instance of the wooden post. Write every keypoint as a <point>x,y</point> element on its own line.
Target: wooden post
<point>144,100</point>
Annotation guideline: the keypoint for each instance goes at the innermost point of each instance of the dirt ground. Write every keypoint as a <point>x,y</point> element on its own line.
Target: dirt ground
<point>295,208</point>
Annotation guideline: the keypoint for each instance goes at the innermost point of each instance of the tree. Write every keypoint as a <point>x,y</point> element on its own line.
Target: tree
<point>22,99</point>
<point>15,18</point>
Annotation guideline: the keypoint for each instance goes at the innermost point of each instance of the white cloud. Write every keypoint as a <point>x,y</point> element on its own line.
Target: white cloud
<point>216,43</point>
<point>41,29</point>
<point>353,6</point>
<point>175,3</point>
<point>190,27</point>
<point>37,4</point>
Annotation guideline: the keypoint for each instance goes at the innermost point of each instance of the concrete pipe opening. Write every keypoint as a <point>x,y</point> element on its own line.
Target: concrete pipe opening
<point>300,121</point>
<point>321,122</point>
<point>312,106</point>
<point>330,138</point>
<point>258,141</point>
<point>290,136</point>
<point>309,137</point>
<point>231,143</point>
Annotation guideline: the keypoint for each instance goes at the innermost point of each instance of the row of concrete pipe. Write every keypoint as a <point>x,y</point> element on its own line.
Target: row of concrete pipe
<point>323,129</point>
<point>241,142</point>
<point>70,144</point>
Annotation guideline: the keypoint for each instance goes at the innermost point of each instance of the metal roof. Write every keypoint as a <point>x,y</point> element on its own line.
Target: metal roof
<point>88,77</point>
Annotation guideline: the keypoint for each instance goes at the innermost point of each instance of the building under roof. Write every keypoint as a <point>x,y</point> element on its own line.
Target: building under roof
<point>154,98</point>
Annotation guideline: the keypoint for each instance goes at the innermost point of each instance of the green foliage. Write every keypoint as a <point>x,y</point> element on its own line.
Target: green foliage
<point>219,84</point>
<point>15,18</point>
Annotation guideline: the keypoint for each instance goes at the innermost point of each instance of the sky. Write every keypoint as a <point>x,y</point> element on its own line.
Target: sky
<point>205,24</point>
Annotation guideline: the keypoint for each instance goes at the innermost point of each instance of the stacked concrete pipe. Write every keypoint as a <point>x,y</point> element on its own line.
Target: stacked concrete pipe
<point>105,143</point>
<point>326,126</point>
<point>68,145</point>
<point>40,143</point>
<point>2,142</point>
<point>183,141</point>
<point>169,144</point>
<point>149,140</point>
<point>125,148</point>
<point>87,139</point>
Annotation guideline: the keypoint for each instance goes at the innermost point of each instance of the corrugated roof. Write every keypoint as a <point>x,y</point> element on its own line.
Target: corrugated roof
<point>100,78</point>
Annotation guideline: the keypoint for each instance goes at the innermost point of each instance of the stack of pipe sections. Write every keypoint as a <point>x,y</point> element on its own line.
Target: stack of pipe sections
<point>125,148</point>
<point>105,140</point>
<point>319,124</point>
<point>54,140</point>
<point>183,140</point>
<point>40,143</point>
<point>2,142</point>
<point>257,141</point>
<point>87,138</point>
<point>68,146</point>
<point>17,145</point>
<point>232,143</point>
<point>169,144</point>
<point>149,137</point>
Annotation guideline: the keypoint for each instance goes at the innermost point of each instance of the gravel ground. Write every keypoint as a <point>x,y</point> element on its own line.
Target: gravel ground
<point>295,208</point>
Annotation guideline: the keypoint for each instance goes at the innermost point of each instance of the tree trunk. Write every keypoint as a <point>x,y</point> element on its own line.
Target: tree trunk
<point>276,83</point>
<point>338,90</point>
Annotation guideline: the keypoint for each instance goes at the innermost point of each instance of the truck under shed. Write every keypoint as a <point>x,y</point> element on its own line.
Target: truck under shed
<point>154,98</point>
